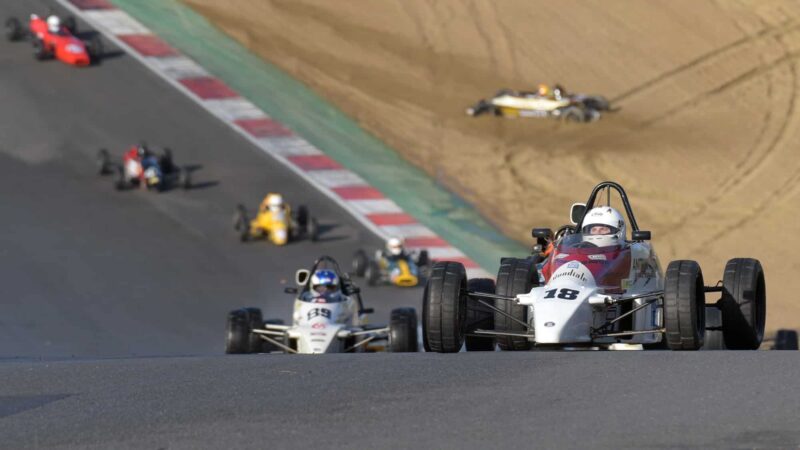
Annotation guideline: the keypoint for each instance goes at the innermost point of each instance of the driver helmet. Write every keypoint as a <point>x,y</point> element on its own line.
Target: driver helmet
<point>394,246</point>
<point>54,24</point>
<point>274,202</point>
<point>604,227</point>
<point>324,281</point>
<point>142,151</point>
<point>543,90</point>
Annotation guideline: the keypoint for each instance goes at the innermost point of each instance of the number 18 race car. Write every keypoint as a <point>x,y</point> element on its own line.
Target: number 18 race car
<point>52,39</point>
<point>329,317</point>
<point>593,288</point>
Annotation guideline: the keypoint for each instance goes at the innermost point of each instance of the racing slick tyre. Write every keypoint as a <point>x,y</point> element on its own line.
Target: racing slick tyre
<point>743,304</point>
<point>71,25</point>
<point>516,276</point>
<point>312,229</point>
<point>14,29</point>
<point>372,273</point>
<point>40,51</point>
<point>269,347</point>
<point>714,339</point>
<point>241,224</point>
<point>301,216</point>
<point>237,339</point>
<point>185,178</point>
<point>785,340</point>
<point>254,321</point>
<point>684,306</point>
<point>423,259</point>
<point>597,103</point>
<point>95,49</point>
<point>444,308</point>
<point>479,317</point>
<point>573,114</point>
<point>166,162</point>
<point>403,330</point>
<point>103,162</point>
<point>360,262</point>
<point>120,183</point>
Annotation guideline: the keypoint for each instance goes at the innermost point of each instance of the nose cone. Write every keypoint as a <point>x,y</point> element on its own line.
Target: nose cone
<point>562,321</point>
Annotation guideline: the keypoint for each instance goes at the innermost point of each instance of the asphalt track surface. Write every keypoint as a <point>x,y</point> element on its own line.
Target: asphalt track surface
<point>92,280</point>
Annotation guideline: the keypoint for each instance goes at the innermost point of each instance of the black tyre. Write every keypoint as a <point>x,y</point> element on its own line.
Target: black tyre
<point>714,339</point>
<point>71,25</point>
<point>241,223</point>
<point>166,162</point>
<point>597,103</point>
<point>743,304</point>
<point>372,273</point>
<point>40,51</point>
<point>103,162</point>
<point>403,330</point>
<point>237,339</point>
<point>573,114</point>
<point>254,321</point>
<point>95,49</point>
<point>785,340</point>
<point>516,276</point>
<point>120,183</point>
<point>360,262</point>
<point>444,308</point>
<point>301,216</point>
<point>185,178</point>
<point>479,317</point>
<point>684,306</point>
<point>423,259</point>
<point>14,30</point>
<point>312,229</point>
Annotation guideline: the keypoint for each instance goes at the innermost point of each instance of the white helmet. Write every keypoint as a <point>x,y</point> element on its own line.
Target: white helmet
<point>604,226</point>
<point>275,201</point>
<point>394,246</point>
<point>324,281</point>
<point>54,24</point>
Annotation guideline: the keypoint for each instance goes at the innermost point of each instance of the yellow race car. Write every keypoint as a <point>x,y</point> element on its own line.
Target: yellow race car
<point>275,221</point>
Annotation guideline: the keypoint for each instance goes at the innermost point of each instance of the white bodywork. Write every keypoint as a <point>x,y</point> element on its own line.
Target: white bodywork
<point>534,103</point>
<point>567,309</point>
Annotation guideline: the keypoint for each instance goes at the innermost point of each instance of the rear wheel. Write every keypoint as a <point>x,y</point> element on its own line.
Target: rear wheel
<point>372,273</point>
<point>120,183</point>
<point>479,317</point>
<point>573,114</point>
<point>684,306</point>
<point>185,178</point>
<point>255,321</point>
<point>71,25</point>
<point>714,339</point>
<point>95,49</point>
<point>444,308</point>
<point>360,262</point>
<point>312,229</point>
<point>103,162</point>
<point>13,29</point>
<point>743,304</point>
<point>238,333</point>
<point>785,340</point>
<point>241,224</point>
<point>516,276</point>
<point>301,216</point>
<point>403,330</point>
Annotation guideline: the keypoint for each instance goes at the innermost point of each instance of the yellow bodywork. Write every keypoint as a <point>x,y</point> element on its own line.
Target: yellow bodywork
<point>401,275</point>
<point>274,225</point>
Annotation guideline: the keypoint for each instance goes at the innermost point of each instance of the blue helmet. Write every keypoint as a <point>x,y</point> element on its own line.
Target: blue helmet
<point>324,281</point>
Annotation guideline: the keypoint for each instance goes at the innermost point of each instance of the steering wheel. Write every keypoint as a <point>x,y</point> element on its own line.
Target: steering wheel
<point>563,231</point>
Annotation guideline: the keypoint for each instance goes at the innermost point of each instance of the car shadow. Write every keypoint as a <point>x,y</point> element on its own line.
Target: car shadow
<point>325,228</point>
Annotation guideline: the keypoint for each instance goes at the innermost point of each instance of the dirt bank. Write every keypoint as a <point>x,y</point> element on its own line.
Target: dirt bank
<point>706,140</point>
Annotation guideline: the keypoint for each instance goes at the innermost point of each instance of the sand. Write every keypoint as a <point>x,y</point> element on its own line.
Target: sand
<point>706,139</point>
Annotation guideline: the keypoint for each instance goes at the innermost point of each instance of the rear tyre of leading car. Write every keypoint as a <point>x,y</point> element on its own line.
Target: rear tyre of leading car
<point>14,30</point>
<point>516,276</point>
<point>240,338</point>
<point>403,330</point>
<point>444,308</point>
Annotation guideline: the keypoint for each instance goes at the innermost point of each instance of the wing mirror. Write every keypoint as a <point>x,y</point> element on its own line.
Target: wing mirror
<point>542,233</point>
<point>301,277</point>
<point>290,290</point>
<point>576,212</point>
<point>640,236</point>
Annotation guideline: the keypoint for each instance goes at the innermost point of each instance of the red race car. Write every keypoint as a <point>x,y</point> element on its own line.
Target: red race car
<point>53,39</point>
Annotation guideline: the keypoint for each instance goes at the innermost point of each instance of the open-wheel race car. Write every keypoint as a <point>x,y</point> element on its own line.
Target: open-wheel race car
<point>144,168</point>
<point>393,265</point>
<point>275,221</point>
<point>52,38</point>
<point>329,317</point>
<point>593,287</point>
<point>542,103</point>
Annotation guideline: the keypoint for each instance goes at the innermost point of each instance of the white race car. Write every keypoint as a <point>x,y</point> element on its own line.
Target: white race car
<point>578,295</point>
<point>333,322</point>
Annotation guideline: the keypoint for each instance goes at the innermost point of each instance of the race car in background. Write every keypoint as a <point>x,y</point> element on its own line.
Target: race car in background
<point>142,167</point>
<point>329,317</point>
<point>544,102</point>
<point>593,294</point>
<point>275,221</point>
<point>53,39</point>
<point>392,265</point>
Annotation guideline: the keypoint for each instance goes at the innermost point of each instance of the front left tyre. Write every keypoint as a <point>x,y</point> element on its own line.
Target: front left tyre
<point>684,306</point>
<point>444,308</point>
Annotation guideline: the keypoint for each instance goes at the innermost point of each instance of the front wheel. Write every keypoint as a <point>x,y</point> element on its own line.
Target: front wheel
<point>103,162</point>
<point>13,29</point>
<point>360,262</point>
<point>403,330</point>
<point>444,308</point>
<point>312,229</point>
<point>240,338</point>
<point>516,276</point>
<point>241,224</point>
<point>684,306</point>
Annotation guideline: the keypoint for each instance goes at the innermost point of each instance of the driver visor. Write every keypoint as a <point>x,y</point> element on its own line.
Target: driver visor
<point>587,230</point>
